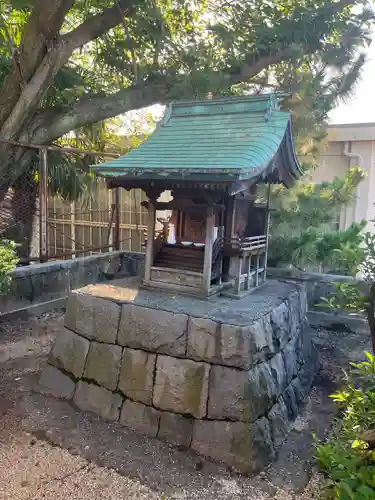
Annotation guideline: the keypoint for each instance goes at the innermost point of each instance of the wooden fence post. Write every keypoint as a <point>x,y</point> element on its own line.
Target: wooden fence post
<point>43,205</point>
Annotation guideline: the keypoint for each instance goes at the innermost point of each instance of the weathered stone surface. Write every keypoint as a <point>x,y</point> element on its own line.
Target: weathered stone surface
<point>228,396</point>
<point>261,339</point>
<point>303,301</point>
<point>153,330</point>
<point>175,429</point>
<point>291,402</point>
<point>91,397</point>
<point>92,317</point>
<point>307,349</point>
<point>306,375</point>
<point>295,315</point>
<point>278,371</point>
<point>69,352</point>
<point>280,325</point>
<point>264,451</point>
<point>299,391</point>
<point>262,389</point>
<point>139,417</point>
<point>278,417</point>
<point>203,339</point>
<point>50,284</point>
<point>228,344</point>
<point>247,447</point>
<point>181,386</point>
<point>290,361</point>
<point>55,383</point>
<point>137,375</point>
<point>229,442</point>
<point>235,346</point>
<point>103,364</point>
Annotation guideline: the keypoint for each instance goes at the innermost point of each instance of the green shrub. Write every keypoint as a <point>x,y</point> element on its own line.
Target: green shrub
<point>348,458</point>
<point>8,261</point>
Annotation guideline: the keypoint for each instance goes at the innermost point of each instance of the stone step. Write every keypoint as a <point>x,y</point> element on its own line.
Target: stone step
<point>179,264</point>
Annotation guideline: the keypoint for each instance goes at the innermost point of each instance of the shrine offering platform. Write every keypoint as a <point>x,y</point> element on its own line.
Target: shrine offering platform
<point>223,377</point>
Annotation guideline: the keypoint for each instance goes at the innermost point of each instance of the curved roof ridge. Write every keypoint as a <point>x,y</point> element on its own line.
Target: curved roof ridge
<point>224,140</point>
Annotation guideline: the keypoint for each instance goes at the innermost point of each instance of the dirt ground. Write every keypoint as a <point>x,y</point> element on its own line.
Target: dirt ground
<point>48,449</point>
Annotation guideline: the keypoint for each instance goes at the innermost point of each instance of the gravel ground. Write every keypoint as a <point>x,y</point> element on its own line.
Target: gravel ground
<point>48,449</point>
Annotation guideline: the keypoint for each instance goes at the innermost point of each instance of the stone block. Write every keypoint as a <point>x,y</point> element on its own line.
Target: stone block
<point>153,330</point>
<point>21,288</point>
<point>230,345</point>
<point>299,391</point>
<point>306,376</point>
<point>307,350</point>
<point>278,371</point>
<point>51,284</point>
<point>248,447</point>
<point>92,317</point>
<point>91,397</point>
<point>175,429</point>
<point>109,267</point>
<point>69,352</point>
<point>203,339</point>
<point>263,449</point>
<point>291,402</point>
<point>262,389</point>
<point>103,364</point>
<point>84,271</point>
<point>261,339</point>
<point>55,383</point>
<point>141,418</point>
<point>295,315</point>
<point>235,346</point>
<point>181,386</point>
<point>132,264</point>
<point>290,357</point>
<point>303,301</point>
<point>280,326</point>
<point>279,420</point>
<point>137,375</point>
<point>228,396</point>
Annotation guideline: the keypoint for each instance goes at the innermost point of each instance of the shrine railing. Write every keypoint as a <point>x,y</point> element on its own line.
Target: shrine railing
<point>249,244</point>
<point>251,270</point>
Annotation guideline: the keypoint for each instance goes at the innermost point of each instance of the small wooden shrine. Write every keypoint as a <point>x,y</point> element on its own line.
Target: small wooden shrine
<point>209,156</point>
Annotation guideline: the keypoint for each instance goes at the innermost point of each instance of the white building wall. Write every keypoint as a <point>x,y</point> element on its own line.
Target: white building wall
<point>334,163</point>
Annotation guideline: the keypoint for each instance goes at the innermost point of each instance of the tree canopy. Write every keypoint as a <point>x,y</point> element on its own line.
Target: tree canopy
<point>67,64</point>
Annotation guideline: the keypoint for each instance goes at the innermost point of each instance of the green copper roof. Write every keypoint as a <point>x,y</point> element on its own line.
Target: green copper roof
<point>230,139</point>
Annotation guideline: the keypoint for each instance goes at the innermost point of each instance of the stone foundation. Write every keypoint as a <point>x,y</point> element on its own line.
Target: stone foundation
<point>224,377</point>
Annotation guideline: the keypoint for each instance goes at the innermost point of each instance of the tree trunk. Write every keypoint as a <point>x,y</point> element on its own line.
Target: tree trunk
<point>39,36</point>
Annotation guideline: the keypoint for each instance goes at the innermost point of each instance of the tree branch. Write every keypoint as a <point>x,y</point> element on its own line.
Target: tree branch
<point>40,32</point>
<point>29,98</point>
<point>253,68</point>
<point>92,110</point>
<point>97,25</point>
<point>32,93</point>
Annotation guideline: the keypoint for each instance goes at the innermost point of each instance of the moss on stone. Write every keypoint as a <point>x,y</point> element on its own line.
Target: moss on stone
<point>193,388</point>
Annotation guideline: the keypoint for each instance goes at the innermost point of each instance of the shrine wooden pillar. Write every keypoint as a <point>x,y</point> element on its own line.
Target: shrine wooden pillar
<point>149,259</point>
<point>208,248</point>
<point>230,205</point>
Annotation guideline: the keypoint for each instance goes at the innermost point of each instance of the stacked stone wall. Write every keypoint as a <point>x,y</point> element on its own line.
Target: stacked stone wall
<point>227,391</point>
<point>51,282</point>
